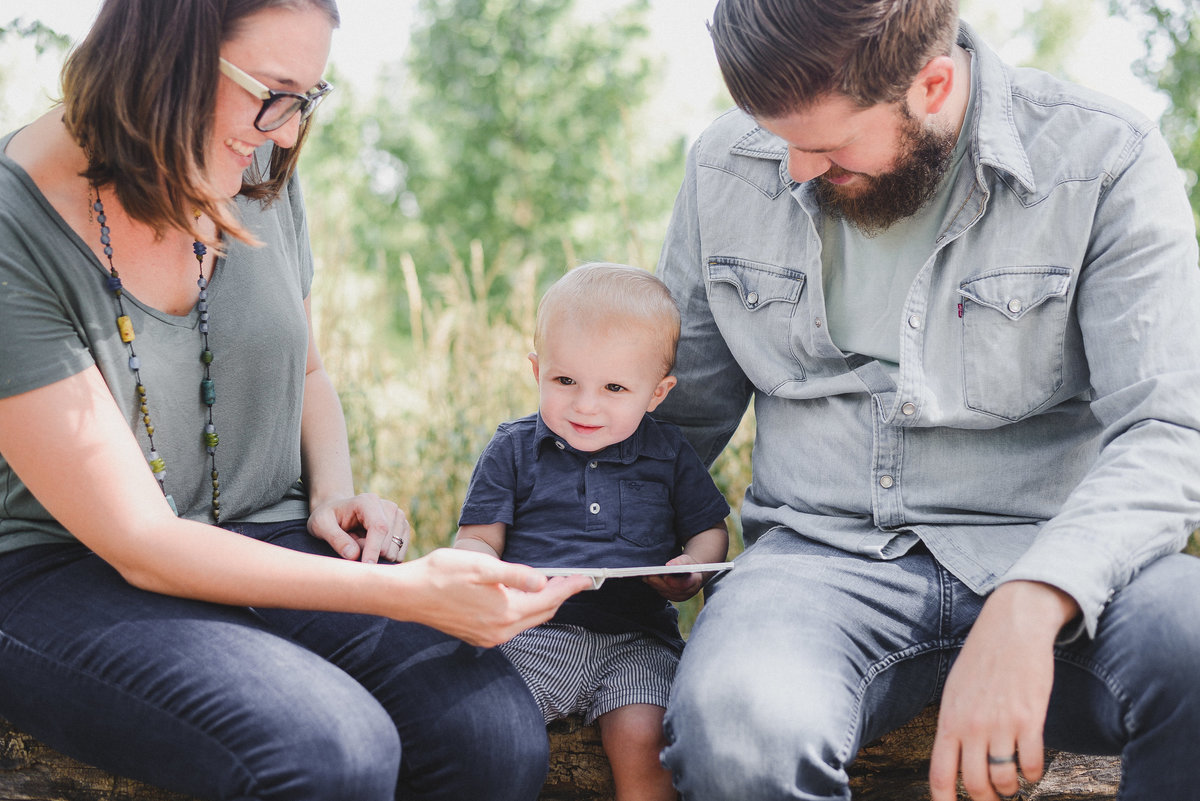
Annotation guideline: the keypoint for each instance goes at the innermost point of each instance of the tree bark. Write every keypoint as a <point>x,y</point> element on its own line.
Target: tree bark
<point>893,768</point>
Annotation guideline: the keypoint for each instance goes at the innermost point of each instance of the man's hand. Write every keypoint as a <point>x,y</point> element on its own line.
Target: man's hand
<point>993,709</point>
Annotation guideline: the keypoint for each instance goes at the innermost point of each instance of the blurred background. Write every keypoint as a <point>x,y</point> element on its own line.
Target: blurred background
<point>477,149</point>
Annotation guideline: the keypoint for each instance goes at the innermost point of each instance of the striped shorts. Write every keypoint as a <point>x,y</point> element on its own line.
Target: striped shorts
<point>571,670</point>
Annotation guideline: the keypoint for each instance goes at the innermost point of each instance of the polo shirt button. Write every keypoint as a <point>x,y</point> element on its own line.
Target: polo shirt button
<point>560,444</point>
<point>887,482</point>
<point>909,409</point>
<point>594,508</point>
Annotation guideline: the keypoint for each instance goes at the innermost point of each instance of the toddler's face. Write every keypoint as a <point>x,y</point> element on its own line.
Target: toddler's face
<point>595,383</point>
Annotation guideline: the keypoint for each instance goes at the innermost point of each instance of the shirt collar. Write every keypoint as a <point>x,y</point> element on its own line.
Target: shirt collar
<point>995,138</point>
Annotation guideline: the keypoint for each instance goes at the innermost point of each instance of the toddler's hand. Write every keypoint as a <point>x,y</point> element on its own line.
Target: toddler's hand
<point>677,586</point>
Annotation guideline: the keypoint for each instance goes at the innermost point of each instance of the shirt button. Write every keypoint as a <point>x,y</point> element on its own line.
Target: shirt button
<point>752,298</point>
<point>593,465</point>
<point>1015,305</point>
<point>817,322</point>
<point>914,321</point>
<point>909,409</point>
<point>560,445</point>
<point>594,508</point>
<point>887,482</point>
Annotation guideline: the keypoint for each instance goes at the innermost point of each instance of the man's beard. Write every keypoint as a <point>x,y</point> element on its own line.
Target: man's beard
<point>901,192</point>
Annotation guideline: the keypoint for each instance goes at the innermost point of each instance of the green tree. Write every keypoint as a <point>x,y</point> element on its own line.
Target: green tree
<point>44,37</point>
<point>1054,27</point>
<point>518,134</point>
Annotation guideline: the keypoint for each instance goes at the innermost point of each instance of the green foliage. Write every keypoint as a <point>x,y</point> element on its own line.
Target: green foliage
<point>518,102</point>
<point>45,39</point>
<point>519,133</point>
<point>31,40</point>
<point>514,126</point>
<point>1051,29</point>
<point>1054,27</point>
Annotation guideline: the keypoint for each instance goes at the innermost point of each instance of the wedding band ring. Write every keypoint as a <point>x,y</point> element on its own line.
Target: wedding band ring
<point>398,540</point>
<point>1002,760</point>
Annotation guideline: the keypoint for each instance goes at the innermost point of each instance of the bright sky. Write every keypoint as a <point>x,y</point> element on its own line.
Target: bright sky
<point>374,32</point>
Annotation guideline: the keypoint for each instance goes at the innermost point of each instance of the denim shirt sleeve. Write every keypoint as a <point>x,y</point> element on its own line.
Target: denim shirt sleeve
<point>1138,305</point>
<point>717,392</point>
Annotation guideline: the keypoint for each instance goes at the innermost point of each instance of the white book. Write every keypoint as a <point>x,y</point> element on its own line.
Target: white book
<point>599,574</point>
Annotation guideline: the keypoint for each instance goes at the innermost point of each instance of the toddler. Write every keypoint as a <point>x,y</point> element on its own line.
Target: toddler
<point>592,480</point>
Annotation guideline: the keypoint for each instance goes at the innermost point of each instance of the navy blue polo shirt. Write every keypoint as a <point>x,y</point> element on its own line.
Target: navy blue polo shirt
<point>634,503</point>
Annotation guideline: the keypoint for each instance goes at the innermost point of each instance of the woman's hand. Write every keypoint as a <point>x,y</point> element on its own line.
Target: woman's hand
<point>480,599</point>
<point>365,528</point>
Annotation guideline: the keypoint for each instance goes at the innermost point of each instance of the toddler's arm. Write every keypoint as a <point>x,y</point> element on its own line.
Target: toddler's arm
<point>488,539</point>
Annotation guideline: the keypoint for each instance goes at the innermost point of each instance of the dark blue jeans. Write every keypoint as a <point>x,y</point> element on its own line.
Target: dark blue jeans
<point>234,703</point>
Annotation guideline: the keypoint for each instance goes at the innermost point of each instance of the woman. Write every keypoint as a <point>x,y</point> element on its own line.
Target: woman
<point>176,647</point>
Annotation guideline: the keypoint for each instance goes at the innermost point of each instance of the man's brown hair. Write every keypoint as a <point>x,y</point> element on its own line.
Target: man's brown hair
<point>780,56</point>
<point>139,93</point>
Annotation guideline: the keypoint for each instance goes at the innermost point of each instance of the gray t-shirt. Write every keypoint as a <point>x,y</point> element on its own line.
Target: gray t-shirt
<point>57,318</point>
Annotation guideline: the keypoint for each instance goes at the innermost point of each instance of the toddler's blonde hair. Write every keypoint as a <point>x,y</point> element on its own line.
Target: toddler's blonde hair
<point>603,293</point>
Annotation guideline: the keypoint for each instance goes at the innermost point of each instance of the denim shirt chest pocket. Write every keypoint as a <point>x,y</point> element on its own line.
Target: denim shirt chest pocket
<point>755,305</point>
<point>1013,327</point>
<point>647,516</point>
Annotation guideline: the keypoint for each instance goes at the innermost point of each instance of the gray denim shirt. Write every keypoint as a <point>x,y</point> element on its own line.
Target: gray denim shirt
<point>1045,420</point>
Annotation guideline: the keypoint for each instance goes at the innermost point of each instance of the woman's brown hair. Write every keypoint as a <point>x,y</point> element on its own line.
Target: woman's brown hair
<point>139,94</point>
<point>780,56</point>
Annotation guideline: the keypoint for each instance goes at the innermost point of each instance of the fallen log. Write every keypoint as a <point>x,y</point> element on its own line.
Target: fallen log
<point>893,768</point>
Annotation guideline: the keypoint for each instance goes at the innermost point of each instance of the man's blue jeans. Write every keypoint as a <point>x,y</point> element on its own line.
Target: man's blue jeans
<point>803,653</point>
<point>234,703</point>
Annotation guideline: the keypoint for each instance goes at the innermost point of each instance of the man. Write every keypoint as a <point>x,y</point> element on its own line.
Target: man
<point>965,302</point>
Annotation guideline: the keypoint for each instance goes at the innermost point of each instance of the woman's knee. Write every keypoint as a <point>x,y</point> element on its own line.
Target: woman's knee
<point>326,745</point>
<point>488,742</point>
<point>360,761</point>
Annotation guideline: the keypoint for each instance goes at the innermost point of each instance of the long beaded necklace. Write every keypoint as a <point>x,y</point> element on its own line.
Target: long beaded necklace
<point>207,389</point>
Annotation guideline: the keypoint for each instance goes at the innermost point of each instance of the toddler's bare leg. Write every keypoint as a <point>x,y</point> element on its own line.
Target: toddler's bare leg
<point>633,738</point>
